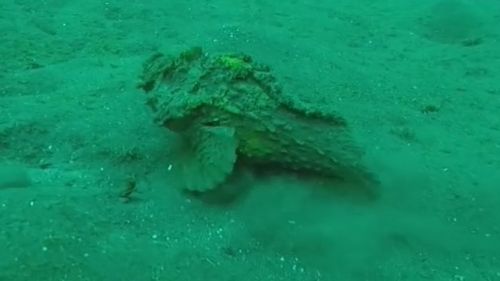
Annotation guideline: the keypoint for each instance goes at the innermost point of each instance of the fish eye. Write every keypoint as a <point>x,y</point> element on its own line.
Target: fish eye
<point>211,123</point>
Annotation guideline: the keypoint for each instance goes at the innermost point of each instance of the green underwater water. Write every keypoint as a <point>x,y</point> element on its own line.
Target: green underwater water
<point>88,189</point>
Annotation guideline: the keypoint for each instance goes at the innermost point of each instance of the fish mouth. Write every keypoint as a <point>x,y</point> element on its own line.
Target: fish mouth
<point>183,124</point>
<point>178,125</point>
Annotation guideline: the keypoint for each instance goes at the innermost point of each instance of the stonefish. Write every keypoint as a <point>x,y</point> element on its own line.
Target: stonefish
<point>228,108</point>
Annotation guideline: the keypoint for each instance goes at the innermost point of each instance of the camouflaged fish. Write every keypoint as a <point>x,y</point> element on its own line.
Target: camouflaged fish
<point>228,108</point>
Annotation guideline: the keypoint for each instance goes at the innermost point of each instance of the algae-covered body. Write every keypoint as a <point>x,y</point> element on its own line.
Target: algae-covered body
<point>227,107</point>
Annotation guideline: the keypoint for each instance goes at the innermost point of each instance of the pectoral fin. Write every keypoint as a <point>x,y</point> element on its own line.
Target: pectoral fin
<point>207,158</point>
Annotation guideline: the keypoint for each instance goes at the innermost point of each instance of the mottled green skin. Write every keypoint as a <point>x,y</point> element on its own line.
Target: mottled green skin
<point>194,89</point>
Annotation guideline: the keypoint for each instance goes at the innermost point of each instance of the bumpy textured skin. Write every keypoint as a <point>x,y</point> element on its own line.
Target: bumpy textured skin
<point>194,90</point>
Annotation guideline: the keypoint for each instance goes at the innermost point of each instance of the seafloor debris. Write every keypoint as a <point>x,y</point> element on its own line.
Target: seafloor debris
<point>228,108</point>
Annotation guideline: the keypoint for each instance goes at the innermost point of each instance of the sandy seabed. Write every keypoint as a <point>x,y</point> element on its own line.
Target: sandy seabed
<point>418,83</point>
